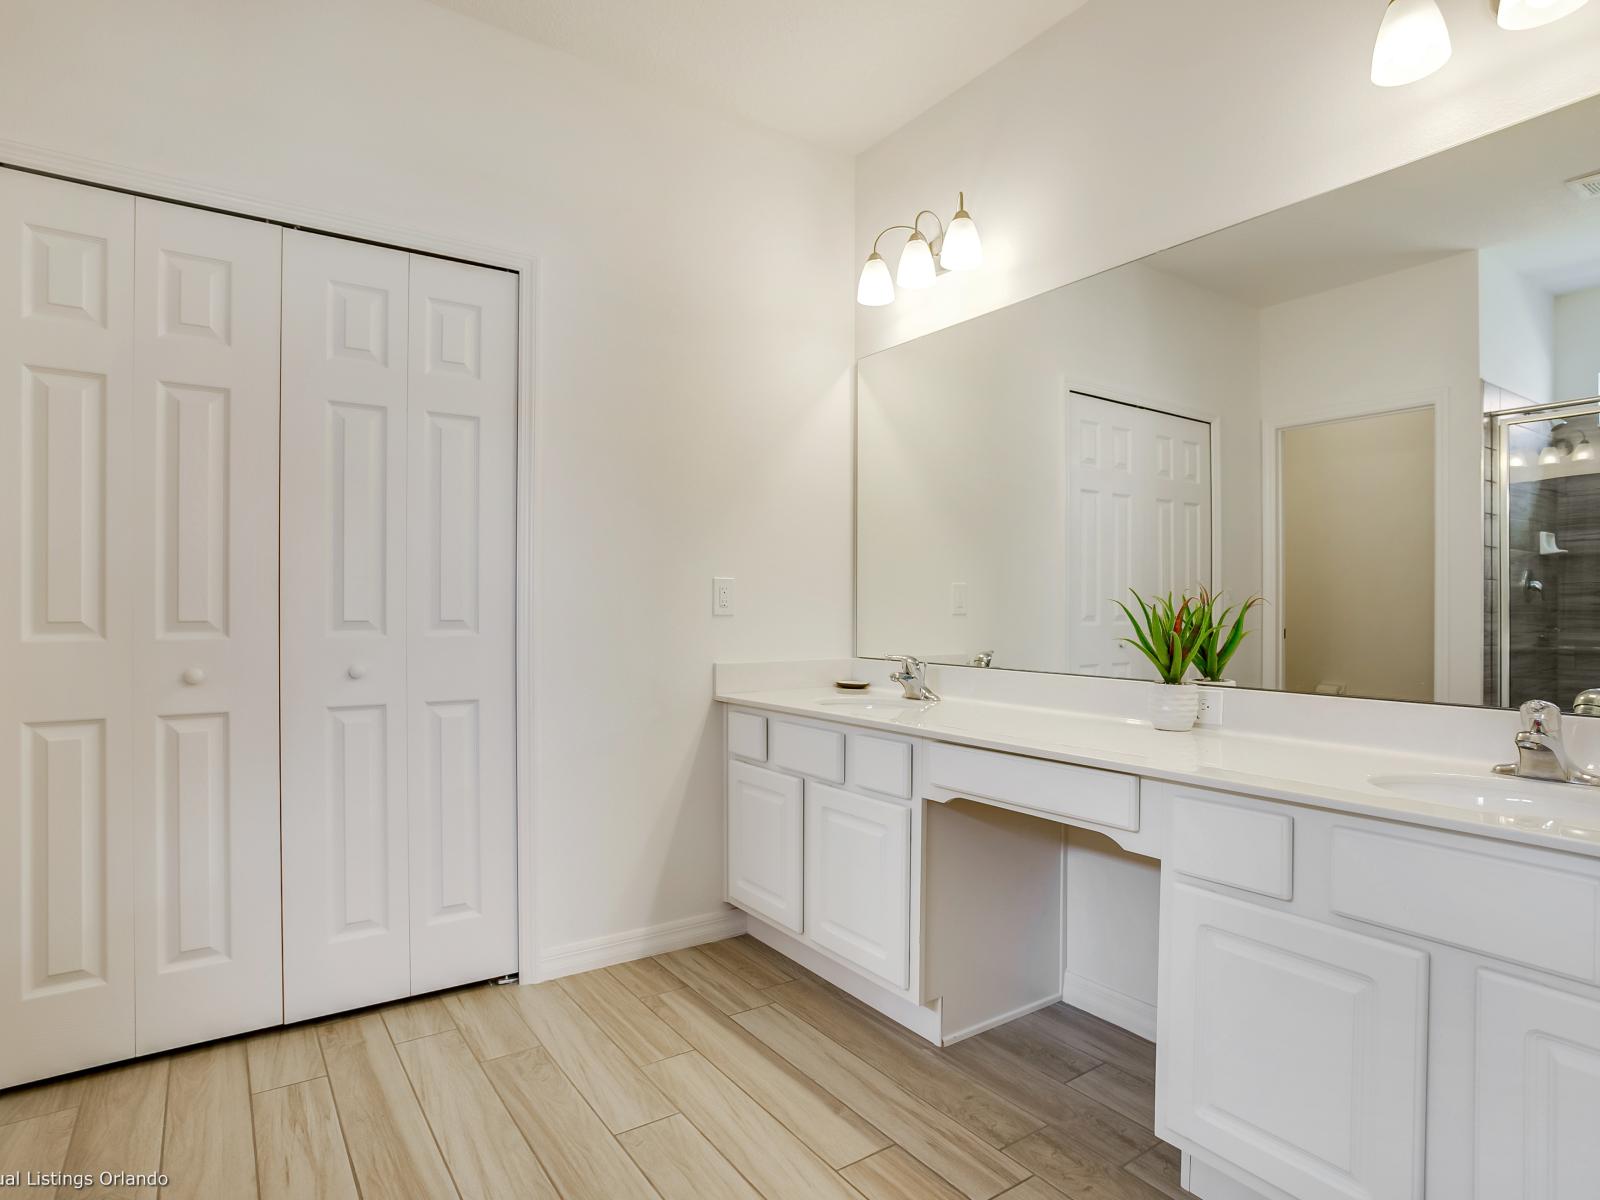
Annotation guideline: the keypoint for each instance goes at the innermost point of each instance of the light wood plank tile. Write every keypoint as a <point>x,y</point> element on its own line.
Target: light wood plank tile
<point>390,1144</point>
<point>909,1061</point>
<point>755,972</point>
<point>1044,1053</point>
<point>488,1021</point>
<point>36,1144</point>
<point>1133,1097</point>
<point>814,1116</point>
<point>279,1057</point>
<point>1162,1169</point>
<point>619,1093</point>
<point>1033,1188</point>
<point>893,1174</point>
<point>642,1035</point>
<point>209,1148</point>
<point>645,977</point>
<point>119,1125</point>
<point>713,980</point>
<point>584,1161</point>
<point>1058,1160</point>
<point>1097,1038</point>
<point>412,1019</point>
<point>752,947</point>
<point>960,1157</point>
<point>37,1099</point>
<point>486,1153</point>
<point>300,1151</point>
<point>763,1151</point>
<point>1106,1132</point>
<point>682,1165</point>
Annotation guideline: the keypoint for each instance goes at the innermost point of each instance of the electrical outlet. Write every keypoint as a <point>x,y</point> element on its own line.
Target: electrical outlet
<point>958,599</point>
<point>722,596</point>
<point>1211,701</point>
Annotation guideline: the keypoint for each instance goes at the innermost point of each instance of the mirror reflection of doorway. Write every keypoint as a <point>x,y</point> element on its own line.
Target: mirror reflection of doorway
<point>1356,521</point>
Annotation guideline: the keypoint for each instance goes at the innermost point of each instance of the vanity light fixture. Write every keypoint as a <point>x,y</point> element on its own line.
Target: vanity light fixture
<point>956,247</point>
<point>1412,44</point>
<point>1530,14</point>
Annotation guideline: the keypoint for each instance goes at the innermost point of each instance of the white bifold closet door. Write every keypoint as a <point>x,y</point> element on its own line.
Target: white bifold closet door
<point>138,626</point>
<point>398,629</point>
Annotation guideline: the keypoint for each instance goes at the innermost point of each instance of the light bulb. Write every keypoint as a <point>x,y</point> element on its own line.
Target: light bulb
<point>961,250</point>
<point>1530,14</point>
<point>875,288</point>
<point>916,263</point>
<point>1413,43</point>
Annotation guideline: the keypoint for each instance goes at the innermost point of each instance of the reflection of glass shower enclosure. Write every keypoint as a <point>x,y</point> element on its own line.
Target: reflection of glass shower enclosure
<point>1543,550</point>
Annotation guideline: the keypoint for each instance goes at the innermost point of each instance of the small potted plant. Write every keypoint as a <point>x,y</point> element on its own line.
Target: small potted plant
<point>1225,631</point>
<point>1169,633</point>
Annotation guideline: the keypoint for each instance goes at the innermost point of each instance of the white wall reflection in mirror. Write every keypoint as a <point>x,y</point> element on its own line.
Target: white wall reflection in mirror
<point>1341,405</point>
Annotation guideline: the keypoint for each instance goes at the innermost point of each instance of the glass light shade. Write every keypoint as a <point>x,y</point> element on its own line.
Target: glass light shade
<point>1549,456</point>
<point>1530,14</point>
<point>1584,452</point>
<point>961,250</point>
<point>875,288</point>
<point>1413,43</point>
<point>1516,460</point>
<point>916,264</point>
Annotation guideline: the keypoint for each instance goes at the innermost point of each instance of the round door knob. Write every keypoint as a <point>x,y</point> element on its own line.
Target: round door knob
<point>356,672</point>
<point>193,676</point>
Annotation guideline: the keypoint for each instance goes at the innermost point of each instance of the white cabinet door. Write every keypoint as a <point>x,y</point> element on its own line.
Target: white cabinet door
<point>346,917</point>
<point>1538,1091</point>
<point>858,880</point>
<point>1292,1049</point>
<point>205,647</point>
<point>766,818</point>
<point>68,541</point>
<point>461,645</point>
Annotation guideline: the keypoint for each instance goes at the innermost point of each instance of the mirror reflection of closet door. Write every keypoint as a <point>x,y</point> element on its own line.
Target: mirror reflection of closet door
<point>1138,516</point>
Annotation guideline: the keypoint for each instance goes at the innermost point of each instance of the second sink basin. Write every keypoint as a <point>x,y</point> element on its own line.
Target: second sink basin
<point>1521,800</point>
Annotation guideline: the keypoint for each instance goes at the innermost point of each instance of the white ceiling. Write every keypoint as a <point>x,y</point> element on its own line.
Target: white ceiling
<point>840,73</point>
<point>1506,191</point>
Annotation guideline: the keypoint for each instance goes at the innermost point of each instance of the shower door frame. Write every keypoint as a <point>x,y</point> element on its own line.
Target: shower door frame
<point>1504,417</point>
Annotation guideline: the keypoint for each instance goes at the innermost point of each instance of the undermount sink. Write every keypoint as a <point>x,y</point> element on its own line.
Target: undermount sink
<point>1521,800</point>
<point>876,703</point>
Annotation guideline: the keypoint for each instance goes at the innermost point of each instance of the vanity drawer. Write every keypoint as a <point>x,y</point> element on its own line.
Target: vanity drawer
<point>747,736</point>
<point>879,764</point>
<point>1222,841</point>
<point>806,750</point>
<point>1047,788</point>
<point>1517,911</point>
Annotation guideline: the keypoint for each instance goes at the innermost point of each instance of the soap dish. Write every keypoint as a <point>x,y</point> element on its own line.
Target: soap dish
<point>851,685</point>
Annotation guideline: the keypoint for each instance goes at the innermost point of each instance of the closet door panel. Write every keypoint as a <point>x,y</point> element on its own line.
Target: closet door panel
<point>461,643</point>
<point>345,901</point>
<point>67,541</point>
<point>205,469</point>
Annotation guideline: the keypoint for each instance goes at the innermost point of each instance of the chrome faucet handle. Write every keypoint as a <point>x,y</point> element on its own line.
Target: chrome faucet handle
<point>1587,704</point>
<point>909,663</point>
<point>1541,716</point>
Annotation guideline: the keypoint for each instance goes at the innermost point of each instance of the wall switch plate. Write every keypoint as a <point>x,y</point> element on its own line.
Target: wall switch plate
<point>958,599</point>
<point>1211,702</point>
<point>722,596</point>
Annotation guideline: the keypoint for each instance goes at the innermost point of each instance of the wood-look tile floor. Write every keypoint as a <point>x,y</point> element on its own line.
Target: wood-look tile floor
<point>725,1072</point>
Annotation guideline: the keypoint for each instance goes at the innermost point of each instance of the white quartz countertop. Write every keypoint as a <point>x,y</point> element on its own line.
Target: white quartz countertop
<point>1323,774</point>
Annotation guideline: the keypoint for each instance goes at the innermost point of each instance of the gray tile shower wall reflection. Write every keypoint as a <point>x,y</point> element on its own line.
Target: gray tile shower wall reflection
<point>1555,630</point>
<point>1578,610</point>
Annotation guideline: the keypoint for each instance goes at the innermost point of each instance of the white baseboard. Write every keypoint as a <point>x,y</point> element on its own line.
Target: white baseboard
<point>924,1022</point>
<point>615,948</point>
<point>1124,1011</point>
<point>951,1037</point>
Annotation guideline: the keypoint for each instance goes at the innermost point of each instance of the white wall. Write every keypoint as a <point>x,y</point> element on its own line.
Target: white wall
<point>1516,323</point>
<point>1136,124</point>
<point>1387,343</point>
<point>1577,345</point>
<point>693,367</point>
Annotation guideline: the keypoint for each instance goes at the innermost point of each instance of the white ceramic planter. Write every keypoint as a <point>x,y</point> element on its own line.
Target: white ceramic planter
<point>1217,682</point>
<point>1174,706</point>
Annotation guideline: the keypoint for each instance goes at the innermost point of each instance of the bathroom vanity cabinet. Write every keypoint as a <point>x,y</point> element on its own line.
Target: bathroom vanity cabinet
<point>1349,1006</point>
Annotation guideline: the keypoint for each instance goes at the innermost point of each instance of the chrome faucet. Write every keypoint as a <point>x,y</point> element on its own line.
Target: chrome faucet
<point>1541,754</point>
<point>912,677</point>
